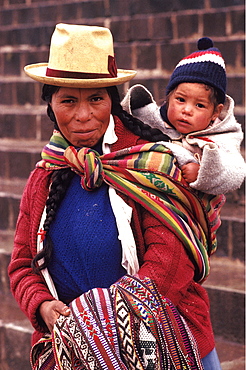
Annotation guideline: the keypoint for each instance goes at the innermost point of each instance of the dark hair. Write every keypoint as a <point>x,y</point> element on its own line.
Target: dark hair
<point>132,123</point>
<point>47,92</point>
<point>60,179</point>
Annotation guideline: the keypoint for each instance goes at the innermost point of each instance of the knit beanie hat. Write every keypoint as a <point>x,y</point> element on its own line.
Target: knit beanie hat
<point>206,65</point>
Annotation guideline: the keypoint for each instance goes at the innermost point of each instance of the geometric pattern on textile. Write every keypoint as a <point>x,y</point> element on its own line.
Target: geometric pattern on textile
<point>71,338</point>
<point>128,326</point>
<point>147,348</point>
<point>176,348</point>
<point>42,356</point>
<point>126,334</point>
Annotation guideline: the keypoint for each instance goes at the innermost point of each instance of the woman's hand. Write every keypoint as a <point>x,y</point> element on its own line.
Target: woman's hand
<point>190,171</point>
<point>51,310</point>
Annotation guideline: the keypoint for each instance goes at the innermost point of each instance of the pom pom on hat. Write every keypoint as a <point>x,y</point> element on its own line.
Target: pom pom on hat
<point>206,65</point>
<point>205,43</point>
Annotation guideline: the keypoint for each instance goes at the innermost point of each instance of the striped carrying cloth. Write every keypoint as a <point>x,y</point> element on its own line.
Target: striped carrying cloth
<point>148,174</point>
<point>129,326</point>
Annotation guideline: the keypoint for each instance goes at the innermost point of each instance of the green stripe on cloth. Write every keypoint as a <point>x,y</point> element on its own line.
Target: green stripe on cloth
<point>148,174</point>
<point>127,326</point>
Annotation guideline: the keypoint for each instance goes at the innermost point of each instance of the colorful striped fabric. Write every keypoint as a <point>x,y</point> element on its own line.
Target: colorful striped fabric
<point>148,174</point>
<point>42,356</point>
<point>129,326</point>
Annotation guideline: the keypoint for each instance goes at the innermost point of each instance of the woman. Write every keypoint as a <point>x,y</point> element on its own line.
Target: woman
<point>89,218</point>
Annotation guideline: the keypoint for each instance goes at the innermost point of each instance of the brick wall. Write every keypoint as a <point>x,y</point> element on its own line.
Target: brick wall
<point>150,36</point>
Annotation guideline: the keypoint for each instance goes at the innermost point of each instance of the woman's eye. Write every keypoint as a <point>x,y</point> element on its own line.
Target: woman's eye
<point>67,101</point>
<point>96,99</point>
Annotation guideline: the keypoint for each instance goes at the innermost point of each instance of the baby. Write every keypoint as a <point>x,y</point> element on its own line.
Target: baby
<point>198,116</point>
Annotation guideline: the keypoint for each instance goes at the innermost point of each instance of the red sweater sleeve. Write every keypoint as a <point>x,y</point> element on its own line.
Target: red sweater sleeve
<point>167,263</point>
<point>28,288</point>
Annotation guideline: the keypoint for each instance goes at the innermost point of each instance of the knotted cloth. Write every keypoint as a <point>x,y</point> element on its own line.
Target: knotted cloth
<point>129,326</point>
<point>148,174</point>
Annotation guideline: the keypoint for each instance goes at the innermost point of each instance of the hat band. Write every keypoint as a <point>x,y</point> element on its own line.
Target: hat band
<point>77,75</point>
<point>112,68</point>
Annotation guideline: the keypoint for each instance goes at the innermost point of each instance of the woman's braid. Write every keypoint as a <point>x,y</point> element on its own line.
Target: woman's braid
<point>132,123</point>
<point>60,180</point>
<point>141,129</point>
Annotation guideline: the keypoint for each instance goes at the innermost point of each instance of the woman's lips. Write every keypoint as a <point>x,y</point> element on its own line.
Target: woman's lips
<point>83,133</point>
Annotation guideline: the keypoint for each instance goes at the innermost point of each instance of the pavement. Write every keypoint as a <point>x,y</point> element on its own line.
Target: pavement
<point>231,354</point>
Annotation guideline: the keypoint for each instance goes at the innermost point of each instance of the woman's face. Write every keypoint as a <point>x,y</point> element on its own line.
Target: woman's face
<point>82,115</point>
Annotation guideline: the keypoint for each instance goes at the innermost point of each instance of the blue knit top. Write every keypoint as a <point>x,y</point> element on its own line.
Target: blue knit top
<point>87,252</point>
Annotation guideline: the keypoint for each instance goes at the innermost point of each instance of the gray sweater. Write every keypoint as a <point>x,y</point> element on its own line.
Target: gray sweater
<point>216,149</point>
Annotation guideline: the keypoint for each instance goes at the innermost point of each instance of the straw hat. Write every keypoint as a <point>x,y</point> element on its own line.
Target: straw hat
<point>80,56</point>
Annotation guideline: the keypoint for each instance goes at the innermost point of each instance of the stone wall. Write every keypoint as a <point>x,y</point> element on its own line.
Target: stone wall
<point>150,36</point>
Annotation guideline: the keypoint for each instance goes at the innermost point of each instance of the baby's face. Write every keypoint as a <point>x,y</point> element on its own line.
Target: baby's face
<point>190,108</point>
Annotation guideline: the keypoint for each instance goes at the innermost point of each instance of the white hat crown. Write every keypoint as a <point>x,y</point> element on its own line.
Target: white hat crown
<point>82,49</point>
<point>80,56</point>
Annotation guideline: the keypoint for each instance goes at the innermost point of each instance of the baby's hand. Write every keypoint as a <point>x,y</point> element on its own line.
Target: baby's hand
<point>190,171</point>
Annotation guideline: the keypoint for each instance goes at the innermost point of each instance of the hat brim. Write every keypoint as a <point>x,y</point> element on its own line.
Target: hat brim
<point>38,73</point>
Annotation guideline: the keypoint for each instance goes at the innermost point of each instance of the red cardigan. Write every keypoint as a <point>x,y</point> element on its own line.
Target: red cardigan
<point>162,257</point>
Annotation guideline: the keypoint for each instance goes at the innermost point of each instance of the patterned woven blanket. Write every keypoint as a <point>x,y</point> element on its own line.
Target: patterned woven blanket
<point>128,326</point>
<point>149,175</point>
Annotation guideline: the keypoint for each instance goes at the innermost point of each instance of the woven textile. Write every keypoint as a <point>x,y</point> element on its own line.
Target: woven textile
<point>128,326</point>
<point>42,356</point>
<point>148,174</point>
